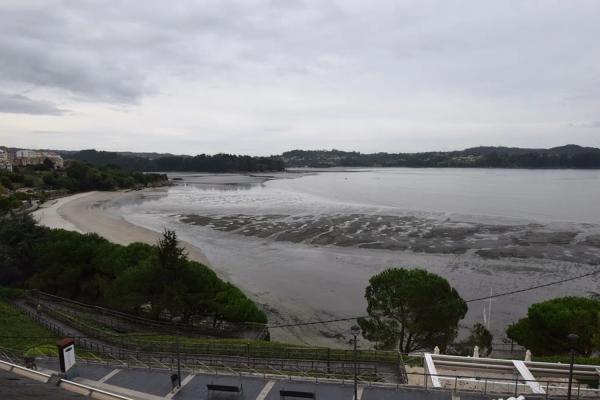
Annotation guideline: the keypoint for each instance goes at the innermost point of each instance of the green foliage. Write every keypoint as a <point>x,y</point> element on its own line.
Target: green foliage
<point>90,269</point>
<point>8,293</point>
<point>545,329</point>
<point>232,305</point>
<point>73,265</point>
<point>411,309</point>
<point>47,350</point>
<point>19,235</point>
<point>82,176</point>
<point>480,336</point>
<point>199,163</point>
<point>9,203</point>
<point>21,333</point>
<point>172,284</point>
<point>570,156</point>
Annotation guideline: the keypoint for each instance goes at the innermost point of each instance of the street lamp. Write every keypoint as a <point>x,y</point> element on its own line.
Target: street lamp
<point>573,341</point>
<point>355,331</point>
<point>176,321</point>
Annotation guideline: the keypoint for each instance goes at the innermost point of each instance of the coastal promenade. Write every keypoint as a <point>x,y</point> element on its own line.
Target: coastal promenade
<point>142,383</point>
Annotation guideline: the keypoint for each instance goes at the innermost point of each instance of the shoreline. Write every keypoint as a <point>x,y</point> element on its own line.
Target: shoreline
<point>87,213</point>
<point>90,212</point>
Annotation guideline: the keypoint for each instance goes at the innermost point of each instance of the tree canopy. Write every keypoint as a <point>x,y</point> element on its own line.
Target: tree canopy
<point>167,162</point>
<point>88,268</point>
<point>411,309</point>
<point>547,325</point>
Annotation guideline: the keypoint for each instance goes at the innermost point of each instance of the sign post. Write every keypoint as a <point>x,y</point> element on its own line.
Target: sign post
<point>66,354</point>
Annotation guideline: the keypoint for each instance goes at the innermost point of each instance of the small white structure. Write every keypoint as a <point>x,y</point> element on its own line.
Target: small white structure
<point>436,350</point>
<point>528,355</point>
<point>507,376</point>
<point>476,352</point>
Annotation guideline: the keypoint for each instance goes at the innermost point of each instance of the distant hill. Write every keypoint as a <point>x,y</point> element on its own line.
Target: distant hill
<point>569,156</point>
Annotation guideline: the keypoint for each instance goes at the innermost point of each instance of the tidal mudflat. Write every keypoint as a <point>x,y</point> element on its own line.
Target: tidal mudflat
<point>415,234</point>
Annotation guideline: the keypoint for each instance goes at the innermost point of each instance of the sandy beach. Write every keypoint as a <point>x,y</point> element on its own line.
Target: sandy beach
<point>87,212</point>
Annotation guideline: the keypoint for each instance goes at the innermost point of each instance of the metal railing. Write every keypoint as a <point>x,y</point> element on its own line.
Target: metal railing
<point>63,383</point>
<point>495,385</point>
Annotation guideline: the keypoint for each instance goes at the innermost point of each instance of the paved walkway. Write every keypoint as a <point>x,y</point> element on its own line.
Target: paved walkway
<point>156,384</point>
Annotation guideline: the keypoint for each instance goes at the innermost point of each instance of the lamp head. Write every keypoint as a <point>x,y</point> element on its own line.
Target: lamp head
<point>355,330</point>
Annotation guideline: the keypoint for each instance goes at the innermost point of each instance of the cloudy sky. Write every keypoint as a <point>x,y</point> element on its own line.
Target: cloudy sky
<point>265,76</point>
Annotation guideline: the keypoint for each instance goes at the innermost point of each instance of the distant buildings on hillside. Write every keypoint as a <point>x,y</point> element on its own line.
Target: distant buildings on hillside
<point>22,158</point>
<point>5,162</point>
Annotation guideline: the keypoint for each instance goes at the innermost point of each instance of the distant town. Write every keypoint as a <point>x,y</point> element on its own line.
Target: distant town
<point>25,157</point>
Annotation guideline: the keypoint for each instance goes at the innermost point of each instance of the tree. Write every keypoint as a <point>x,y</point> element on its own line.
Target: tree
<point>545,329</point>
<point>19,235</point>
<point>48,164</point>
<point>411,309</point>
<point>480,336</point>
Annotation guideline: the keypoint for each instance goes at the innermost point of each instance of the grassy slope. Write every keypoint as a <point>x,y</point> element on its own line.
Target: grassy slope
<point>19,333</point>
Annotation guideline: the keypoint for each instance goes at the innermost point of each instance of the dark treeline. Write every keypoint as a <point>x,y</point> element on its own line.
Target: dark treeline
<point>155,281</point>
<point>166,163</point>
<point>570,156</point>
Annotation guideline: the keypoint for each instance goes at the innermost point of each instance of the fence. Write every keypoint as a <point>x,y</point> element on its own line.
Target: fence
<point>97,328</point>
<point>119,320</point>
<point>123,349</point>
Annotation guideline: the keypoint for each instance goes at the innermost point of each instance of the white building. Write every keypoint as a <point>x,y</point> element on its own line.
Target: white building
<point>5,162</point>
<point>33,157</point>
<point>27,154</point>
<point>28,157</point>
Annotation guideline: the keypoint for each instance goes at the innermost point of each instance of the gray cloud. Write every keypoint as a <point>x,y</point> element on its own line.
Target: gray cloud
<point>410,71</point>
<point>19,104</point>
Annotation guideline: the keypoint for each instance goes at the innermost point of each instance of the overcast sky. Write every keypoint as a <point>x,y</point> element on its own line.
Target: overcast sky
<point>266,76</point>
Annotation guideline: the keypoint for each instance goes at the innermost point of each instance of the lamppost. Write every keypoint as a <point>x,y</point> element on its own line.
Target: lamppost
<point>573,341</point>
<point>355,331</point>
<point>176,321</point>
<point>178,361</point>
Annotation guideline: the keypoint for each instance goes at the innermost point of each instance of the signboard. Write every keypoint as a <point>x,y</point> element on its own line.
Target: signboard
<point>66,353</point>
<point>69,356</point>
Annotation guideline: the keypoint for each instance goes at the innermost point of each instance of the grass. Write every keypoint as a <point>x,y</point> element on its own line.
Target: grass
<point>20,333</point>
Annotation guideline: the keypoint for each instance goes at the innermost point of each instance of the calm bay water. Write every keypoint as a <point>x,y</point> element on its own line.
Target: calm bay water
<point>562,195</point>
